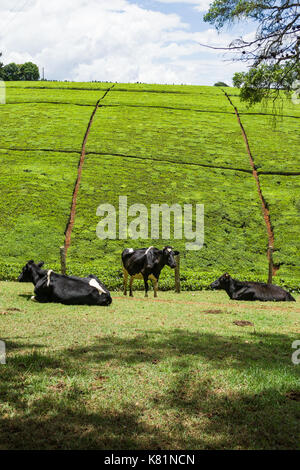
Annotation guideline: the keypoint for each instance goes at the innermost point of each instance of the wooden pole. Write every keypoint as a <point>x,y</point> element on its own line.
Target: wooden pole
<point>270,256</point>
<point>63,260</point>
<point>177,274</point>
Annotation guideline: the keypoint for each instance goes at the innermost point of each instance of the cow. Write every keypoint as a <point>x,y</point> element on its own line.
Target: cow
<point>146,263</point>
<point>69,290</point>
<point>239,290</point>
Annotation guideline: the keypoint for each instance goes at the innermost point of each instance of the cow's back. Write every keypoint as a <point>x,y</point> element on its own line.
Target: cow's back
<point>269,292</point>
<point>133,260</point>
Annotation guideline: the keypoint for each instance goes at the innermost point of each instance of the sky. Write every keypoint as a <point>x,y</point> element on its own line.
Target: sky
<point>149,41</point>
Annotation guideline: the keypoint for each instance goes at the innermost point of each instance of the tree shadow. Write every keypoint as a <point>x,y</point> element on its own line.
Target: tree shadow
<point>195,412</point>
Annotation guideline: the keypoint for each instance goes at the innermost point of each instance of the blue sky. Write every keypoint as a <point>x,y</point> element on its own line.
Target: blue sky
<point>152,41</point>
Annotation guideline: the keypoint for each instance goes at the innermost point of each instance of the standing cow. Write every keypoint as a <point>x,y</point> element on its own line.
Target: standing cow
<point>240,290</point>
<point>70,290</point>
<point>146,263</point>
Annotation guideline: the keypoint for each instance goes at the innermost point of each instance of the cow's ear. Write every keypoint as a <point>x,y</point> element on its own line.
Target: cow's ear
<point>176,252</point>
<point>41,264</point>
<point>30,261</point>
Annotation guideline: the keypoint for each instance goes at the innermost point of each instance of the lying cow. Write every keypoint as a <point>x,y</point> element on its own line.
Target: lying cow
<point>69,290</point>
<point>146,263</point>
<point>238,290</point>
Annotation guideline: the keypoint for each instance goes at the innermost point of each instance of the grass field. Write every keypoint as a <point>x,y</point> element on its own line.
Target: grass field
<point>171,373</point>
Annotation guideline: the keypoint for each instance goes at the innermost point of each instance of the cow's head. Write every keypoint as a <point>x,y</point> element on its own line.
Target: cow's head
<point>168,256</point>
<point>221,282</point>
<point>26,274</point>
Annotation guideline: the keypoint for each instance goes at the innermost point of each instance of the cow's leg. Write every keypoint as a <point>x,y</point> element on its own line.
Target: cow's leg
<point>130,286</point>
<point>125,279</point>
<point>154,283</point>
<point>155,287</point>
<point>243,294</point>
<point>145,276</point>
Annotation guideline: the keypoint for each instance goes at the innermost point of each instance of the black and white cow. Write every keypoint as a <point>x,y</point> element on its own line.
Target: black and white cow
<point>239,290</point>
<point>146,263</point>
<point>70,290</point>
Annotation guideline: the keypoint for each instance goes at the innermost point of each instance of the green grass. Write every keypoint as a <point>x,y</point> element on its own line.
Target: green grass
<point>175,373</point>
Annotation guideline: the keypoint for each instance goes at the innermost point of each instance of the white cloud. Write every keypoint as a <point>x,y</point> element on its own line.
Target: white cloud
<point>115,41</point>
<point>200,5</point>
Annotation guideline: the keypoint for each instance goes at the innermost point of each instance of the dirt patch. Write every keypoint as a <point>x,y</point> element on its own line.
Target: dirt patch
<point>58,387</point>
<point>265,210</point>
<point>243,323</point>
<point>293,395</point>
<point>214,312</point>
<point>71,221</point>
<point>9,311</point>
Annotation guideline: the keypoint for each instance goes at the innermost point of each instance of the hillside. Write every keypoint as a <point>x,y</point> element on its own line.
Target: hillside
<point>154,144</point>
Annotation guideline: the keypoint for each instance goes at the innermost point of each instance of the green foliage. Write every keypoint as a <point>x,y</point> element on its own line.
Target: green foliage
<point>265,82</point>
<point>273,54</point>
<point>29,72</point>
<point>220,84</point>
<point>16,72</point>
<point>11,72</point>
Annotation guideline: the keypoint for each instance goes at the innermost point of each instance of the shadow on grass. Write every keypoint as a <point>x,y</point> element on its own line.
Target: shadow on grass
<point>190,412</point>
<point>266,351</point>
<point>26,296</point>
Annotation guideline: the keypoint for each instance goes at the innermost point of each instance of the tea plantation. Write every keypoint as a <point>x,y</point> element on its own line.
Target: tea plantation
<point>154,144</point>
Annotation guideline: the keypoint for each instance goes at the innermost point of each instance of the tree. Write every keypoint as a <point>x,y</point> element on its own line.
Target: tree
<point>11,72</point>
<point>29,71</point>
<point>264,81</point>
<point>1,69</point>
<point>274,52</point>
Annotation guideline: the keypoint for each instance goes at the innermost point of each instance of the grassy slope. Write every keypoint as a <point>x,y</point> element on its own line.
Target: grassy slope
<point>38,189</point>
<point>148,375</point>
<point>138,120</point>
<point>168,134</point>
<point>43,126</point>
<point>279,152</point>
<point>235,235</point>
<point>283,196</point>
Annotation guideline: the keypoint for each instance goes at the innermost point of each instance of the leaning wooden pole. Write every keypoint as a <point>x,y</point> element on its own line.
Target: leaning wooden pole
<point>270,256</point>
<point>63,267</point>
<point>177,274</point>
